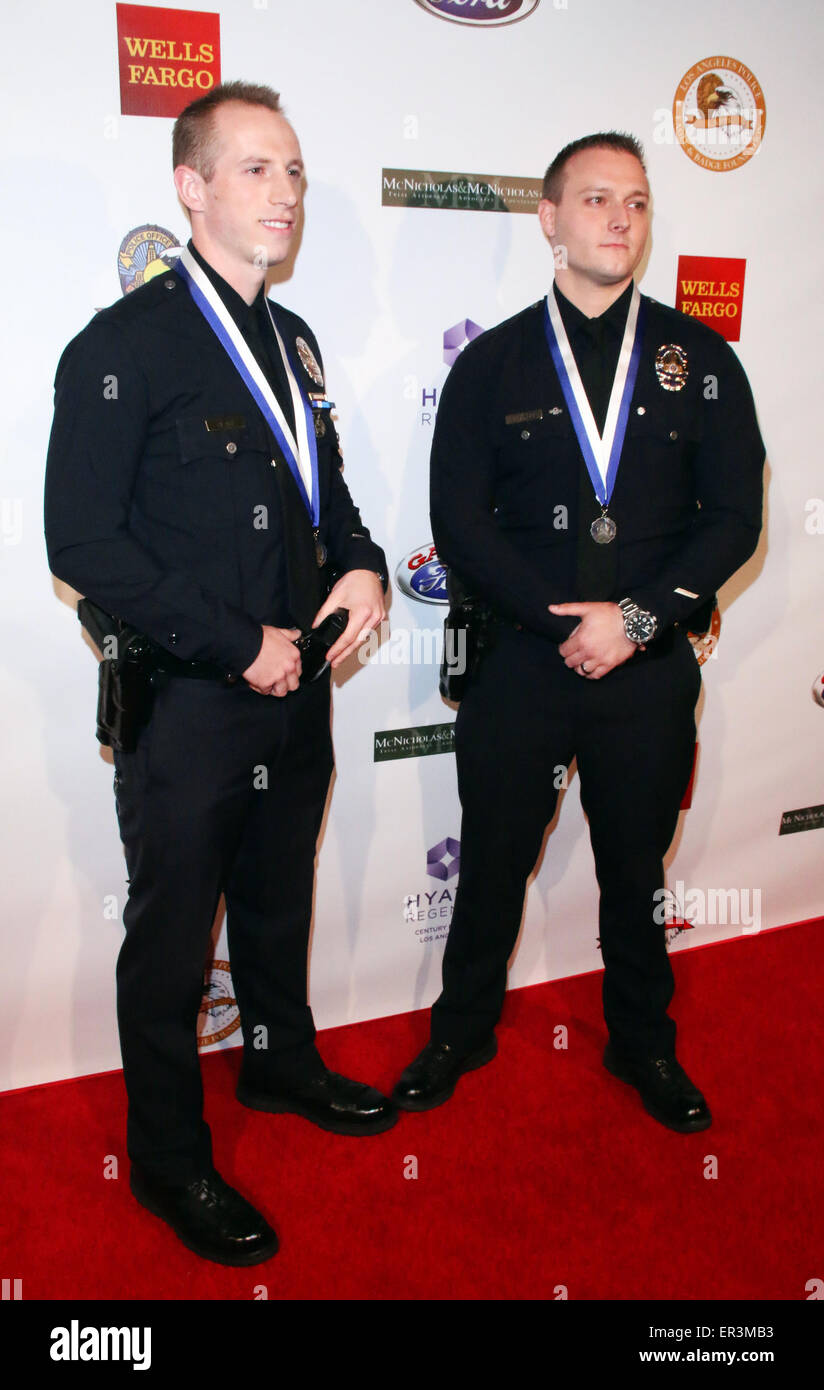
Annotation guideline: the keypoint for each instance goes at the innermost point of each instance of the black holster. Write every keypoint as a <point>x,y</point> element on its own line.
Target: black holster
<point>125,687</point>
<point>469,631</point>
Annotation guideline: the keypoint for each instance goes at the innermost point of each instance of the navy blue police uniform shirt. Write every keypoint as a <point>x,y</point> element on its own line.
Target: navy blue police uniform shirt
<point>162,504</point>
<point>596,346</point>
<point>511,501</point>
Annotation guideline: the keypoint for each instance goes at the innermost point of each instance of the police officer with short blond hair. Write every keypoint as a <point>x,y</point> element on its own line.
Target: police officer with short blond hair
<point>203,504</point>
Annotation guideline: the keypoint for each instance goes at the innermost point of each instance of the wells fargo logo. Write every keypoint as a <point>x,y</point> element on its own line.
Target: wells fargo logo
<point>719,113</point>
<point>167,58</point>
<point>711,288</point>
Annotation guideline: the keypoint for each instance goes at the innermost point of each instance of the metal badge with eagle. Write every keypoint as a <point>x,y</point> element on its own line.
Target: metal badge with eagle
<point>671,367</point>
<point>309,361</point>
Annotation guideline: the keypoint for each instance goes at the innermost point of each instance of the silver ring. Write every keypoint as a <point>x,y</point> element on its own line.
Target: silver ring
<point>583,668</point>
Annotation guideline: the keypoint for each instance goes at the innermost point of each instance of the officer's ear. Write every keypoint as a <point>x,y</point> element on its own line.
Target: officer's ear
<point>190,187</point>
<point>546,217</point>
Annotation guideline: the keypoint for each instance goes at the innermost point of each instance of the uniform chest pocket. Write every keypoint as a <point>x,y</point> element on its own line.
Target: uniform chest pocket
<point>522,428</point>
<point>670,428</point>
<point>218,461</point>
<point>657,458</point>
<point>224,437</point>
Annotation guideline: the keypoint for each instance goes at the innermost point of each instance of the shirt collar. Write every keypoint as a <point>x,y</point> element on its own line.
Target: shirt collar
<point>242,313</point>
<point>613,319</point>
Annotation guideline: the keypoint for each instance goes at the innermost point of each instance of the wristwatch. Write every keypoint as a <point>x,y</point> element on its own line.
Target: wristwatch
<point>639,625</point>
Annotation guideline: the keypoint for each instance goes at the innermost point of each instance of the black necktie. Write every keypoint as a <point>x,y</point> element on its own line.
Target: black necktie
<point>261,338</point>
<point>596,564</point>
<point>305,588</point>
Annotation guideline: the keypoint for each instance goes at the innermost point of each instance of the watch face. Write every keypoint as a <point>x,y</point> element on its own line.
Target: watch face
<point>640,626</point>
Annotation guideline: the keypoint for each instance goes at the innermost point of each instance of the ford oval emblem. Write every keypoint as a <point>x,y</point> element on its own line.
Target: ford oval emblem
<point>488,12</point>
<point>422,575</point>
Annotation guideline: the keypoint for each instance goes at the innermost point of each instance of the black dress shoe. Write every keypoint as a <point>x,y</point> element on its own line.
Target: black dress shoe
<point>209,1216</point>
<point>664,1087</point>
<point>435,1072</point>
<point>333,1102</point>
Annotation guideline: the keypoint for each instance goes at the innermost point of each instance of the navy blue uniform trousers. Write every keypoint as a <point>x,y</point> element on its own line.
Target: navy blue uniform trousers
<point>224,793</point>
<point>633,735</point>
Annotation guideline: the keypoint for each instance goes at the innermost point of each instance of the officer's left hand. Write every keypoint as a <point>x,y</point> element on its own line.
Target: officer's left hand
<point>599,642</point>
<point>362,593</point>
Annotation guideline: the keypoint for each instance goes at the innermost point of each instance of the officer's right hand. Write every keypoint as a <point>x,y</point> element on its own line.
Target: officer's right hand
<point>276,668</point>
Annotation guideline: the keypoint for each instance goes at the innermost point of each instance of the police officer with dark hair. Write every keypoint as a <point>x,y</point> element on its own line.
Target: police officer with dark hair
<point>596,476</point>
<point>194,492</point>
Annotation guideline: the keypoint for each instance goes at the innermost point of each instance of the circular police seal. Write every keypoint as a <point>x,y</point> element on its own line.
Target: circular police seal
<point>219,1013</point>
<point>145,252</point>
<point>719,113</point>
<point>671,367</point>
<point>309,361</point>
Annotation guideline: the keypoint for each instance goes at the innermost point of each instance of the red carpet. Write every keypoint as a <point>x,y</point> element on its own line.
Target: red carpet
<point>542,1171</point>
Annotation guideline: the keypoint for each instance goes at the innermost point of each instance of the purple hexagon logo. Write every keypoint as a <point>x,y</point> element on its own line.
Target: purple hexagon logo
<point>456,338</point>
<point>444,860</point>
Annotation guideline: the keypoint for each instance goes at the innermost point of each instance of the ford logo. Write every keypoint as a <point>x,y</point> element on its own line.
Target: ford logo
<point>489,12</point>
<point>422,575</point>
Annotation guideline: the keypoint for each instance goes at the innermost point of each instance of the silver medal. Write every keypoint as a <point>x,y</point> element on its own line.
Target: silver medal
<point>603,530</point>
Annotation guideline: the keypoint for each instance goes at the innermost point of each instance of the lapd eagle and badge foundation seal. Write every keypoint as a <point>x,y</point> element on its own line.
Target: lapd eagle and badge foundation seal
<point>719,114</point>
<point>309,361</point>
<point>219,1014</point>
<point>671,367</point>
<point>705,644</point>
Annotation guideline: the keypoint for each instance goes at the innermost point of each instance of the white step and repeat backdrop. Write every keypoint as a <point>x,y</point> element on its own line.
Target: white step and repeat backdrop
<point>424,125</point>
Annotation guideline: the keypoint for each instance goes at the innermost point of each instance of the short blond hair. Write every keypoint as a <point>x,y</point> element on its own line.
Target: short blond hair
<point>193,136</point>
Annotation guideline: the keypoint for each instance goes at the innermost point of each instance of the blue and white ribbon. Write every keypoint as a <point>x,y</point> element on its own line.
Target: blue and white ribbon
<point>301,454</point>
<point>602,453</point>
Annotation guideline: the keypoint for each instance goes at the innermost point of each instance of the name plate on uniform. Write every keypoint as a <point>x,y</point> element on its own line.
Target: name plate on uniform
<point>217,423</point>
<point>523,417</point>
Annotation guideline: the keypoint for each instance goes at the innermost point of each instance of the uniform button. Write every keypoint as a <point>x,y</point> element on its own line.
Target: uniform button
<point>172,639</point>
<point>525,434</point>
<point>170,284</point>
<point>673,434</point>
<point>231,447</point>
<point>642,410</point>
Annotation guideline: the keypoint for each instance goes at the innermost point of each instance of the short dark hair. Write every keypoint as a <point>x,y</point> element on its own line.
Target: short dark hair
<point>604,140</point>
<point>193,136</point>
